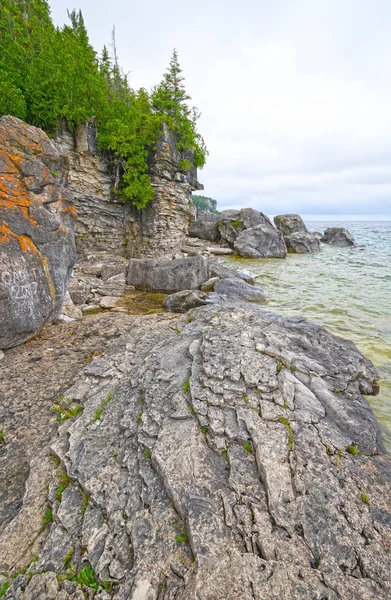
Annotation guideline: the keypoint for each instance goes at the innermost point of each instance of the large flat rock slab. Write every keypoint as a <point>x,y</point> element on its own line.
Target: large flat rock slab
<point>172,276</point>
<point>37,248</point>
<point>228,453</point>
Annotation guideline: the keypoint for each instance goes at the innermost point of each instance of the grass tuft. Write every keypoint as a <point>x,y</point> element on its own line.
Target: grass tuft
<point>352,449</point>
<point>291,436</point>
<point>248,447</point>
<point>186,386</point>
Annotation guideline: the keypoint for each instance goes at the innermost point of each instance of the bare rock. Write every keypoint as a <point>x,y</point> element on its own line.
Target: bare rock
<point>219,250</point>
<point>223,271</point>
<point>110,301</point>
<point>240,290</point>
<point>302,243</point>
<point>172,276</point>
<point>209,285</point>
<point>233,222</point>
<point>338,236</point>
<point>37,247</point>
<point>289,224</point>
<point>262,241</point>
<point>183,301</point>
<point>205,226</point>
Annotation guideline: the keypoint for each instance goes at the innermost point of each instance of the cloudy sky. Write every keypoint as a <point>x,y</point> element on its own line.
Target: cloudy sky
<point>295,95</point>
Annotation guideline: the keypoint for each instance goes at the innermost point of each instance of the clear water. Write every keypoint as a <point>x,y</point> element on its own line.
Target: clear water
<point>348,290</point>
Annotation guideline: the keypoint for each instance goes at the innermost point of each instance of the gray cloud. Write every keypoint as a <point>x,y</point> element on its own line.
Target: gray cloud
<point>295,96</point>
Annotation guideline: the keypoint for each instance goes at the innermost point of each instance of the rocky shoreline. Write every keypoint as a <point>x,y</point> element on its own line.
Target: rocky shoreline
<point>209,451</point>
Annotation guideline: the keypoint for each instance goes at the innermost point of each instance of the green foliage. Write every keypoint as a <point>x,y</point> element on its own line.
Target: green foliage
<point>4,588</point>
<point>147,453</point>
<point>48,517</point>
<point>291,436</point>
<point>365,498</point>
<point>182,537</point>
<point>248,447</point>
<point>352,449</point>
<point>99,411</point>
<point>186,386</point>
<point>63,482</point>
<point>204,204</point>
<point>86,577</point>
<point>50,74</point>
<point>64,411</point>
<point>84,504</point>
<point>68,557</point>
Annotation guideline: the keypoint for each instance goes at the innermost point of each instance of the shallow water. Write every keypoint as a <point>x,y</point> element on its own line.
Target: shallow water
<point>348,290</point>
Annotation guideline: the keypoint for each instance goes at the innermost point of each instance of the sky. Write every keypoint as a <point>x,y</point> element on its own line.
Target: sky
<point>295,95</point>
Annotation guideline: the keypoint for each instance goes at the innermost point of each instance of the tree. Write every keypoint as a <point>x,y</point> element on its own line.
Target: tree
<point>171,99</point>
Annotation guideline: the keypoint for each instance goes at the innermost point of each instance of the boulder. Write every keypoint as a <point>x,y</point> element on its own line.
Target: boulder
<point>112,269</point>
<point>172,276</point>
<point>338,236</point>
<point>289,224</point>
<point>79,290</point>
<point>209,285</point>
<point>205,227</point>
<point>237,289</point>
<point>262,241</point>
<point>233,222</point>
<point>223,271</point>
<point>219,251</point>
<point>301,243</point>
<point>181,302</point>
<point>37,247</point>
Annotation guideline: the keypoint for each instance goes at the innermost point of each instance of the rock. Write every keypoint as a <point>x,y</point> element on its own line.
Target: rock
<point>222,271</point>
<point>302,243</point>
<point>70,310</point>
<point>37,248</point>
<point>115,286</point>
<point>173,276</point>
<point>209,285</point>
<point>110,302</point>
<point>224,457</point>
<point>317,234</point>
<point>181,302</point>
<point>232,223</point>
<point>289,224</point>
<point>110,270</point>
<point>1,355</point>
<point>222,251</point>
<point>206,227</point>
<point>240,290</point>
<point>90,308</point>
<point>79,290</point>
<point>262,241</point>
<point>338,236</point>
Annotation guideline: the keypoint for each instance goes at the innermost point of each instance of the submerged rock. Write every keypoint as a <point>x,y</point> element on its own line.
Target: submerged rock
<point>222,270</point>
<point>338,236</point>
<point>172,276</point>
<point>262,241</point>
<point>37,248</point>
<point>240,290</point>
<point>231,457</point>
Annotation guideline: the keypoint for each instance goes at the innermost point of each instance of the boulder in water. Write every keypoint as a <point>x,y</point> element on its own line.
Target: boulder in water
<point>233,222</point>
<point>262,241</point>
<point>181,302</point>
<point>37,247</point>
<point>240,290</point>
<point>338,236</point>
<point>301,243</point>
<point>289,224</point>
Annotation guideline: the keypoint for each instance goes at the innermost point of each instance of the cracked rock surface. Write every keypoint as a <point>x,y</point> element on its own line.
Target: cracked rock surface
<point>230,456</point>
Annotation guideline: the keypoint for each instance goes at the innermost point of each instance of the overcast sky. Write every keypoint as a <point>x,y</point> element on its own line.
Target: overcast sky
<point>295,95</point>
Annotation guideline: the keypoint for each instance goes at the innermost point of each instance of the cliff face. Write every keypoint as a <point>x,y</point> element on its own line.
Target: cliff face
<point>107,223</point>
<point>100,214</point>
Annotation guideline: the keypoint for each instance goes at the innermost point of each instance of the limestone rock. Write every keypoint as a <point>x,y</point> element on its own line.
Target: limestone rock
<point>205,227</point>
<point>37,248</point>
<point>233,222</point>
<point>219,250</point>
<point>110,301</point>
<point>289,224</point>
<point>222,270</point>
<point>181,302</point>
<point>262,241</point>
<point>338,236</point>
<point>240,290</point>
<point>302,242</point>
<point>172,276</point>
<point>209,285</point>
<point>224,464</point>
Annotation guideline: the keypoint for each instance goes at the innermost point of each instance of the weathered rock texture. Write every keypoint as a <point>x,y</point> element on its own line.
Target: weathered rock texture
<point>296,235</point>
<point>232,457</point>
<point>37,249</point>
<point>205,226</point>
<point>172,276</point>
<point>233,222</point>
<point>159,230</point>
<point>101,215</point>
<point>338,236</point>
<point>105,222</point>
<point>262,241</point>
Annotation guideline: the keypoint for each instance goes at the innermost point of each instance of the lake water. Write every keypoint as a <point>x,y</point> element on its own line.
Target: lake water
<point>348,290</point>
